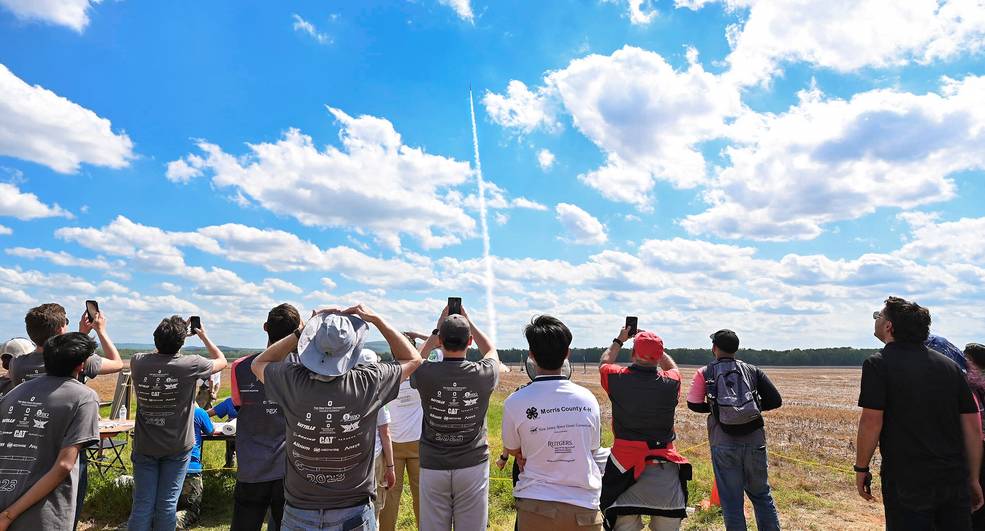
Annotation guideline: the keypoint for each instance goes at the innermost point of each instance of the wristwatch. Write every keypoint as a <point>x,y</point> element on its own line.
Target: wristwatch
<point>504,457</point>
<point>860,469</point>
<point>434,332</point>
<point>617,341</point>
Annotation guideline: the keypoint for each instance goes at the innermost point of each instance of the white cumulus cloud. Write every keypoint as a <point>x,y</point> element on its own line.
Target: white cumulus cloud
<point>647,117</point>
<point>829,159</point>
<point>847,35</point>
<point>73,14</point>
<point>43,127</point>
<point>463,8</point>
<point>25,205</point>
<point>522,109</point>
<point>545,159</point>
<point>375,184</point>
<point>581,227</point>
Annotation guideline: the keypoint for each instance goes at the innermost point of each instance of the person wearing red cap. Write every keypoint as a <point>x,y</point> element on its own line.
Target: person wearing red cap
<point>644,474</point>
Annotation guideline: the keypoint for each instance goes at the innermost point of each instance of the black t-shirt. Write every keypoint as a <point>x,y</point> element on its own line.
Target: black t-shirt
<point>922,395</point>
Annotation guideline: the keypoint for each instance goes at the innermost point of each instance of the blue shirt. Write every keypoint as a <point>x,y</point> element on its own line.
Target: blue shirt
<point>203,426</point>
<point>948,349</point>
<point>225,409</point>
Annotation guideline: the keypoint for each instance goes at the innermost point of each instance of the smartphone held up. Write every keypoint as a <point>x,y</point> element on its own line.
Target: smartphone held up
<point>92,309</point>
<point>454,306</point>
<point>631,325</point>
<point>195,323</point>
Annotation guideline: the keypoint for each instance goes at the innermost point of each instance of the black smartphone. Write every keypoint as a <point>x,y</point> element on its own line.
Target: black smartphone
<point>92,308</point>
<point>868,484</point>
<point>631,322</point>
<point>454,306</point>
<point>195,323</point>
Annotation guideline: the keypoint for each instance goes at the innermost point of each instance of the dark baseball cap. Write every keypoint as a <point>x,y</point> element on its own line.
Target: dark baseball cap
<point>454,332</point>
<point>726,340</point>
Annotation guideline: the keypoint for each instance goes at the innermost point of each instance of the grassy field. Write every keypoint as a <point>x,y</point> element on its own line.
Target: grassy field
<point>811,444</point>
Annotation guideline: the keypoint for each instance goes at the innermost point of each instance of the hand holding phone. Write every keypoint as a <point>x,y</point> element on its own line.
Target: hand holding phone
<point>195,323</point>
<point>454,306</point>
<point>631,325</point>
<point>92,308</point>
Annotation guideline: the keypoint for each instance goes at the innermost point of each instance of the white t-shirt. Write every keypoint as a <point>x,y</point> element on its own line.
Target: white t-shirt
<point>215,379</point>
<point>406,415</point>
<point>381,420</point>
<point>557,426</point>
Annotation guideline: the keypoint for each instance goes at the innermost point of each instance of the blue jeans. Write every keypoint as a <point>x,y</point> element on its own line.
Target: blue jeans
<point>157,484</point>
<point>358,518</point>
<point>743,468</point>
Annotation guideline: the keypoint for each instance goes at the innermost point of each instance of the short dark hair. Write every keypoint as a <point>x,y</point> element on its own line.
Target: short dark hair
<point>170,335</point>
<point>911,322</point>
<point>282,320</point>
<point>975,352</point>
<point>62,354</point>
<point>549,340</point>
<point>45,321</point>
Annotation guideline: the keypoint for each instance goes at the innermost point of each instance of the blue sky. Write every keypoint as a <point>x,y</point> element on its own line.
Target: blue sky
<point>771,167</point>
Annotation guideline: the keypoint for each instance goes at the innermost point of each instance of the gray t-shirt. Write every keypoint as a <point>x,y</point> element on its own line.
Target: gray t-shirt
<point>30,366</point>
<point>39,419</point>
<point>165,389</point>
<point>455,397</point>
<point>331,427</point>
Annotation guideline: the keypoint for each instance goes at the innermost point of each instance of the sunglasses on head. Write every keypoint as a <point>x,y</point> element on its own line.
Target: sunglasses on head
<point>876,315</point>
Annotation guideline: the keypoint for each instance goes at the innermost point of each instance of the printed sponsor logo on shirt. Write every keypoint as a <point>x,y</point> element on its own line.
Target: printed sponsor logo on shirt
<point>470,401</point>
<point>346,428</point>
<point>532,413</point>
<point>40,423</point>
<point>306,426</point>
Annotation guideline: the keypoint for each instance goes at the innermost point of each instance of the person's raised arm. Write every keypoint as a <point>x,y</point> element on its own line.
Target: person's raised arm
<point>612,353</point>
<point>64,463</point>
<point>403,351</point>
<point>486,348</point>
<point>112,362</point>
<point>278,351</point>
<point>432,342</point>
<point>667,363</point>
<point>216,355</point>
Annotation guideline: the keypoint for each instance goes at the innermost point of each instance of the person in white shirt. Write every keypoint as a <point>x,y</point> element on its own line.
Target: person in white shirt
<point>406,415</point>
<point>552,426</point>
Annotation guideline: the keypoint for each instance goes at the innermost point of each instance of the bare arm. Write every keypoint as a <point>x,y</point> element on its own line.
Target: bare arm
<point>274,354</point>
<point>612,353</point>
<point>667,363</point>
<point>63,466</point>
<point>869,428</point>
<point>112,362</point>
<point>402,349</point>
<point>486,348</point>
<point>218,358</point>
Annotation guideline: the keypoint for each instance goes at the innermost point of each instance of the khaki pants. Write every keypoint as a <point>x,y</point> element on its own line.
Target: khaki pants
<point>405,455</point>
<point>534,515</point>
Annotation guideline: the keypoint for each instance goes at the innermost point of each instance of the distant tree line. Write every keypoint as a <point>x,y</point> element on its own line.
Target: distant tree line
<point>836,356</point>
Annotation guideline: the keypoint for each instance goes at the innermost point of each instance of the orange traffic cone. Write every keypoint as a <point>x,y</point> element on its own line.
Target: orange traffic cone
<point>713,501</point>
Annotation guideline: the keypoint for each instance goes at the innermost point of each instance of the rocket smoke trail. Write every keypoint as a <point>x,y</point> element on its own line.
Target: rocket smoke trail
<point>490,279</point>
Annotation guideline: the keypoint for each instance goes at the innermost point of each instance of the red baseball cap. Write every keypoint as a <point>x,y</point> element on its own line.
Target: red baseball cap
<point>648,346</point>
